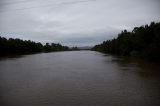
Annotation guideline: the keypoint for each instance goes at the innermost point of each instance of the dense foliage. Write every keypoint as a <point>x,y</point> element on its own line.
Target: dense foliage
<point>142,42</point>
<point>18,46</point>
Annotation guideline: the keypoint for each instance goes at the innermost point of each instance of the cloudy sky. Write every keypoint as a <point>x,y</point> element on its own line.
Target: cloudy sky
<point>74,22</point>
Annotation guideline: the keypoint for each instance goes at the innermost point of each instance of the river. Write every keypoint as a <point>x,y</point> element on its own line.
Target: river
<point>78,78</point>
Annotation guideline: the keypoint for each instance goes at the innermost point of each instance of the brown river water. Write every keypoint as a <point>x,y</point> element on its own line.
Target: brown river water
<point>78,78</point>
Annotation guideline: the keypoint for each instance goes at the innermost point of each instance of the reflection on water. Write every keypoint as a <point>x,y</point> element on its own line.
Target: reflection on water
<point>143,68</point>
<point>78,78</point>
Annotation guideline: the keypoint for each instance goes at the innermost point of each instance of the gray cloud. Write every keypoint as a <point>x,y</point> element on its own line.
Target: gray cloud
<point>73,22</point>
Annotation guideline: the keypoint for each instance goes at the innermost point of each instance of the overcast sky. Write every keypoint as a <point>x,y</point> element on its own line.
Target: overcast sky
<point>74,22</point>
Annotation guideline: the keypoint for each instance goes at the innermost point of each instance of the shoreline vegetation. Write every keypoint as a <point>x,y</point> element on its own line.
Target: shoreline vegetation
<point>18,47</point>
<point>15,46</point>
<point>142,42</point>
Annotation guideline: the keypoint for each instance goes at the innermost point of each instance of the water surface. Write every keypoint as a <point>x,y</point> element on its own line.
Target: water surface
<point>78,78</point>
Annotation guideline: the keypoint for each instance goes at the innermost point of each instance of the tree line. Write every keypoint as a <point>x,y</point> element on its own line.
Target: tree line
<point>18,46</point>
<point>141,42</point>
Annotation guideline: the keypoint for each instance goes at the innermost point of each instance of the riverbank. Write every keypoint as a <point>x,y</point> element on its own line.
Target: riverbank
<point>141,42</point>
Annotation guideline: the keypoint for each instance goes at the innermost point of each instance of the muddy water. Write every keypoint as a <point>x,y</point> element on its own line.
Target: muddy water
<point>78,78</point>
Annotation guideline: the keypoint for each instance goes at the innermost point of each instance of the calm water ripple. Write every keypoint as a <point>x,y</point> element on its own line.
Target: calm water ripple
<point>78,78</point>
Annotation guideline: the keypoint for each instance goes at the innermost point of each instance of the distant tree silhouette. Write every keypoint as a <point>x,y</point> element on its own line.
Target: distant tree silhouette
<point>143,42</point>
<point>74,48</point>
<point>18,46</point>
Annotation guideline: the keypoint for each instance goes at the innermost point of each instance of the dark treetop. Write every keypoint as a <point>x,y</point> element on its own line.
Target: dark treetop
<point>18,46</point>
<point>142,42</point>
